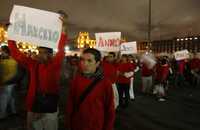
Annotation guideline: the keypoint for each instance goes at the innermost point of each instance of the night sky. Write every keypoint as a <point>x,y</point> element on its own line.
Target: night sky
<point>170,18</point>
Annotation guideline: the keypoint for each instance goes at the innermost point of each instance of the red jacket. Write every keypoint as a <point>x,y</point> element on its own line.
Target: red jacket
<point>97,110</point>
<point>146,71</point>
<point>194,63</point>
<point>162,72</point>
<point>49,74</point>
<point>110,71</point>
<point>122,68</point>
<point>181,66</point>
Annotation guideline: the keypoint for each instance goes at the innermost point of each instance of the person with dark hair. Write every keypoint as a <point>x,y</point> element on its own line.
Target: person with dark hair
<point>162,72</point>
<point>43,90</point>
<point>90,105</point>
<point>7,82</point>
<point>125,72</point>
<point>5,50</point>
<point>110,71</point>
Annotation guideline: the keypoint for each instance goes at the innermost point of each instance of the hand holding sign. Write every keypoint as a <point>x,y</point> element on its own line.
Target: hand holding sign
<point>63,17</point>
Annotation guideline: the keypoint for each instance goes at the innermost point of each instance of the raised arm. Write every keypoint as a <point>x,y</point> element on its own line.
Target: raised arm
<point>19,56</point>
<point>57,60</point>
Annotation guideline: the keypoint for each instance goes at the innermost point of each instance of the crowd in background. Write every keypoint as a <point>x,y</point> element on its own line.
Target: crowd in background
<point>120,70</point>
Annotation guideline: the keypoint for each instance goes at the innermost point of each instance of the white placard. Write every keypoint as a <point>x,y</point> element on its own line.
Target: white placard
<point>181,55</point>
<point>128,48</point>
<point>108,42</point>
<point>149,60</point>
<point>38,27</point>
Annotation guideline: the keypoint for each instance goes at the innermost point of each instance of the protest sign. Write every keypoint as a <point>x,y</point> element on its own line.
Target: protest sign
<point>38,27</point>
<point>128,48</point>
<point>149,60</point>
<point>108,42</point>
<point>181,55</point>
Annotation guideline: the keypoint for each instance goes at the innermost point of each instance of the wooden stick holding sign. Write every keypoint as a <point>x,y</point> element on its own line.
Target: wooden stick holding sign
<point>41,28</point>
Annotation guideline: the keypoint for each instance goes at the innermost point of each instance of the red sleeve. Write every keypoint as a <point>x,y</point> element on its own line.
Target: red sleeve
<point>109,118</point>
<point>57,60</point>
<point>19,56</point>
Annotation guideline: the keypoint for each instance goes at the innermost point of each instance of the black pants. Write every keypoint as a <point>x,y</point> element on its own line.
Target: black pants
<point>123,89</point>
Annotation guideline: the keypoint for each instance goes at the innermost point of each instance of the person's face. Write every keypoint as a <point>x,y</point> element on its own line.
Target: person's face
<point>124,59</point>
<point>110,58</point>
<point>130,59</point>
<point>44,55</point>
<point>88,63</point>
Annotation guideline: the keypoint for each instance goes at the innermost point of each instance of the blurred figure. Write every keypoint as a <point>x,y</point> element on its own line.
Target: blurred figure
<point>125,72</point>
<point>147,79</point>
<point>161,75</point>
<point>180,79</point>
<point>110,71</point>
<point>147,70</point>
<point>195,71</point>
<point>7,82</point>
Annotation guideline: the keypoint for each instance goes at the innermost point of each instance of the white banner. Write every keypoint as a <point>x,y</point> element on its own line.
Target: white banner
<point>38,27</point>
<point>128,48</point>
<point>181,55</point>
<point>109,42</point>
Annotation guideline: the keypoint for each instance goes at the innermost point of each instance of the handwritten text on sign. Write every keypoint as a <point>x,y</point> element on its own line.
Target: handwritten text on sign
<point>39,27</point>
<point>128,48</point>
<point>108,41</point>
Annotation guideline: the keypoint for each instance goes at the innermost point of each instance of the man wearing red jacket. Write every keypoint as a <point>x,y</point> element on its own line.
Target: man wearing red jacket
<point>96,112</point>
<point>44,76</point>
<point>110,72</point>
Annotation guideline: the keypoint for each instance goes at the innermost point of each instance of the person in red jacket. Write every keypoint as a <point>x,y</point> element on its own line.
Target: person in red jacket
<point>125,72</point>
<point>162,72</point>
<point>96,112</point>
<point>44,77</point>
<point>110,71</point>
<point>195,70</point>
<point>147,78</point>
<point>180,79</point>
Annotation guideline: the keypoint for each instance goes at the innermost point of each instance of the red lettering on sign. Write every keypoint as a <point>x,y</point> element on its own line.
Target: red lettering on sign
<point>101,42</point>
<point>108,43</point>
